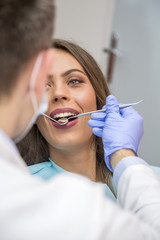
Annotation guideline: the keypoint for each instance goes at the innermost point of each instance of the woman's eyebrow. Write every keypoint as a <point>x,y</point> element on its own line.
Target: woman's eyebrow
<point>72,70</point>
<point>50,76</point>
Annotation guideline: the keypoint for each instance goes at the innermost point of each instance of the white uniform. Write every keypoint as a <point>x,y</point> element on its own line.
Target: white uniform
<point>74,208</point>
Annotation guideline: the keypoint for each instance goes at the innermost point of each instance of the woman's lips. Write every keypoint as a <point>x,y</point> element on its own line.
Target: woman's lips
<point>64,110</point>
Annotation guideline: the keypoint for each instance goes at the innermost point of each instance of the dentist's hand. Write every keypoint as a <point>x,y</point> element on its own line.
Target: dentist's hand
<point>119,128</point>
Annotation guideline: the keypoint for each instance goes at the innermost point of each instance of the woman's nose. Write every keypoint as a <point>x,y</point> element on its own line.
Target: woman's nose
<point>58,98</point>
<point>61,94</point>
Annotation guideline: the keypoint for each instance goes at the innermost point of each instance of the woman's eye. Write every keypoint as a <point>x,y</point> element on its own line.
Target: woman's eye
<point>48,85</point>
<point>75,82</point>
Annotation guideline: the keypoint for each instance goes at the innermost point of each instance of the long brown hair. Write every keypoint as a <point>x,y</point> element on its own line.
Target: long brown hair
<point>34,147</point>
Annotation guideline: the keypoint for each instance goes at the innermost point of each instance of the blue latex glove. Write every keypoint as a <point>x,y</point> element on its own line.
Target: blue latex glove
<point>119,128</point>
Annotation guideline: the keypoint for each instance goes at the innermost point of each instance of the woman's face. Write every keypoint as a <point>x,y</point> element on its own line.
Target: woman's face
<point>69,92</point>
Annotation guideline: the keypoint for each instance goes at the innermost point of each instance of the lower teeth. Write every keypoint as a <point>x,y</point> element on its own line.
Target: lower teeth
<point>63,120</point>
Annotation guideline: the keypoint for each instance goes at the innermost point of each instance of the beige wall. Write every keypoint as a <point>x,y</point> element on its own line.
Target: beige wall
<point>88,22</point>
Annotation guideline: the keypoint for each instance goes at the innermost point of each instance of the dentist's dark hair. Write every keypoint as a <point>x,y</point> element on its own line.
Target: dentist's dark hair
<point>38,151</point>
<point>26,28</point>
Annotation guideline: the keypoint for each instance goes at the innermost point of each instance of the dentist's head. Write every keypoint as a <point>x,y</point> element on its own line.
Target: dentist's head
<point>25,59</point>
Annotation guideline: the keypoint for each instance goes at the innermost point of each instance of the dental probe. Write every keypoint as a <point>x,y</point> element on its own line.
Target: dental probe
<point>102,110</point>
<point>64,121</point>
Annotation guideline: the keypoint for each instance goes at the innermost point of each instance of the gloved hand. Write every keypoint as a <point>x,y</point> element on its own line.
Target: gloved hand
<point>119,128</point>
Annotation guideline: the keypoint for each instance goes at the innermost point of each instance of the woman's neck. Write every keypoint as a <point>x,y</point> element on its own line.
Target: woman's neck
<point>81,160</point>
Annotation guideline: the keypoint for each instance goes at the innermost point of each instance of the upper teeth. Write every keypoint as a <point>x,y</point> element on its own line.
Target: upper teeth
<point>61,115</point>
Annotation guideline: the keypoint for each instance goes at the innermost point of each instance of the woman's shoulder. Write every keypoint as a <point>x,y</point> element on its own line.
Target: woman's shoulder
<point>45,170</point>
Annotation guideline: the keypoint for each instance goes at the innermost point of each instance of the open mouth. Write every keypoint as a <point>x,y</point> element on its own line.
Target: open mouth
<point>64,117</point>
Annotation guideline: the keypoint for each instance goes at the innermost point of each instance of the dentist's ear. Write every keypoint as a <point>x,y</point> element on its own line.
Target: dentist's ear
<point>44,70</point>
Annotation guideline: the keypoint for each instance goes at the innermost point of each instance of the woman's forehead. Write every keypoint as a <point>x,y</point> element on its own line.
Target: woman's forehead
<point>64,61</point>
